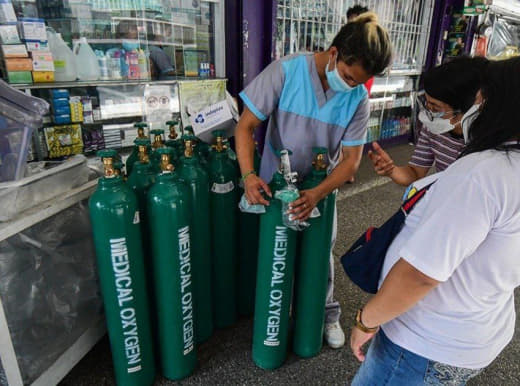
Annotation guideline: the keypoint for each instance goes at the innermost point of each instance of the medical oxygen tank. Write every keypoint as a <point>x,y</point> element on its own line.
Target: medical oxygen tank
<point>197,179</point>
<point>312,273</point>
<point>169,207</point>
<point>140,181</point>
<point>174,141</point>
<point>223,205</point>
<point>200,148</point>
<point>249,224</point>
<point>276,253</point>
<point>134,156</point>
<point>114,214</point>
<point>158,142</point>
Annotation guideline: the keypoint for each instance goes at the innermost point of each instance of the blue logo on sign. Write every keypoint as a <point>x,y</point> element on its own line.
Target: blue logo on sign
<point>199,119</point>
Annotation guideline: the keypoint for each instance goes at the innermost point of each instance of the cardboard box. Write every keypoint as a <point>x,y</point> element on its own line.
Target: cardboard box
<point>9,34</point>
<point>42,61</point>
<point>19,77</point>
<point>215,117</point>
<point>33,29</point>
<point>37,46</point>
<point>14,51</point>
<point>43,76</point>
<point>18,64</point>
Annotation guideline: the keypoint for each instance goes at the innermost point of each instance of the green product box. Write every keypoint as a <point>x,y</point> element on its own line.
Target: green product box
<point>19,77</point>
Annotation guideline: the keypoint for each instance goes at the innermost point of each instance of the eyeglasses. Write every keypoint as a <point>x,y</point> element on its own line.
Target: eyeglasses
<point>431,115</point>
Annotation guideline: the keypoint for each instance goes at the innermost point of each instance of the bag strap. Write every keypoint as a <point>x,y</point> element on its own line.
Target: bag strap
<point>410,203</point>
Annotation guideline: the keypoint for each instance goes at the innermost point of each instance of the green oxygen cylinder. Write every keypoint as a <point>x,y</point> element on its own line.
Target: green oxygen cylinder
<point>174,141</point>
<point>276,253</point>
<point>249,224</point>
<point>197,179</point>
<point>223,203</point>
<point>134,156</point>
<point>169,207</point>
<point>114,215</point>
<point>312,273</point>
<point>158,142</point>
<point>141,179</point>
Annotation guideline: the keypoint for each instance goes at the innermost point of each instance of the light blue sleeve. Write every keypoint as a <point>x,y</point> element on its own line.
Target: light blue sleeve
<point>356,132</point>
<point>262,95</point>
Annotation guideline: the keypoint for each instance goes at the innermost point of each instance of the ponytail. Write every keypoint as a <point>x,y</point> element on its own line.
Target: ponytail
<point>363,40</point>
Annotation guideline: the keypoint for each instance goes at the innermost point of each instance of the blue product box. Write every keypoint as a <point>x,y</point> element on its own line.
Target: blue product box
<point>60,119</point>
<point>59,93</point>
<point>60,102</point>
<point>61,110</point>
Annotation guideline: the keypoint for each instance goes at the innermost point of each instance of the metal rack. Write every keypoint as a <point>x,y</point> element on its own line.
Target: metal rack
<point>306,25</point>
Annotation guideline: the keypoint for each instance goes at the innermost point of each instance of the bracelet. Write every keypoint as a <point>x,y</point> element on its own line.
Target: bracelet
<point>243,178</point>
<point>359,324</point>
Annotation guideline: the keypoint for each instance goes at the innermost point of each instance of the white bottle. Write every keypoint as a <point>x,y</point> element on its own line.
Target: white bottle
<point>88,67</point>
<point>64,59</point>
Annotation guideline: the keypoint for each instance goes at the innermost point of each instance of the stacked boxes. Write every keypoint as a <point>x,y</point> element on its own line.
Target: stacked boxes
<point>17,65</point>
<point>34,36</point>
<point>60,106</point>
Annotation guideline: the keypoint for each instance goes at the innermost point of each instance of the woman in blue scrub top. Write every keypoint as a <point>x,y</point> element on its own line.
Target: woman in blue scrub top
<point>314,99</point>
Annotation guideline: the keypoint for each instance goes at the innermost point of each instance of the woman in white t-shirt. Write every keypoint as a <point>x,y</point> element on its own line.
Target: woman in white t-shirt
<point>445,307</point>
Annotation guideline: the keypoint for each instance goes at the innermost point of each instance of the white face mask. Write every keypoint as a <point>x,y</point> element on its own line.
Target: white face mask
<point>467,120</point>
<point>438,125</point>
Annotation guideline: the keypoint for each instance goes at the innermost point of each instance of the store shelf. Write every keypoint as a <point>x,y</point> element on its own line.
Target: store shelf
<point>153,21</point>
<point>143,42</point>
<point>404,73</point>
<point>110,83</point>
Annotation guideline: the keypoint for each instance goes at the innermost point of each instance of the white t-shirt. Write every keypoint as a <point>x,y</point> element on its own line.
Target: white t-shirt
<point>465,233</point>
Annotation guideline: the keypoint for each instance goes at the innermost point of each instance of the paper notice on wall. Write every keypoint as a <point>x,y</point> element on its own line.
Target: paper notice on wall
<point>194,96</point>
<point>160,103</point>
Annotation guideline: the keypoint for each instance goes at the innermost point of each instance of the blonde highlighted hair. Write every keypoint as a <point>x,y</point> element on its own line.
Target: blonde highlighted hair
<point>364,41</point>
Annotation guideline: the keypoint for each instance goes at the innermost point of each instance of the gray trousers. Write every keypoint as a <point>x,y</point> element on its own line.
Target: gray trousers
<point>332,309</point>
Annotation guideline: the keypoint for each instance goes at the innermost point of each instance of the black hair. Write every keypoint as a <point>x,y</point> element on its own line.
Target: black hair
<point>357,9</point>
<point>456,83</point>
<point>499,115</point>
<point>365,41</point>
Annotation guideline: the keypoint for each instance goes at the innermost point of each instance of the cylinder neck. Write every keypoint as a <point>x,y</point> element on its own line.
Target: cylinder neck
<point>166,166</point>
<point>140,133</point>
<point>143,154</point>
<point>188,151</point>
<point>108,167</point>
<point>157,141</point>
<point>173,133</point>
<point>219,145</point>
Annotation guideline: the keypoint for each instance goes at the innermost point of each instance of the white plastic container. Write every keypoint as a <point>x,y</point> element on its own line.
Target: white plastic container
<point>64,59</point>
<point>87,61</point>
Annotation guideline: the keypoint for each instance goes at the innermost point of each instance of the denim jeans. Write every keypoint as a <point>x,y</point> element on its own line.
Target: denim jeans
<point>391,365</point>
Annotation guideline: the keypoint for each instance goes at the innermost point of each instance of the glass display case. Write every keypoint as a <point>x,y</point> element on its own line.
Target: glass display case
<point>101,63</point>
<point>124,39</point>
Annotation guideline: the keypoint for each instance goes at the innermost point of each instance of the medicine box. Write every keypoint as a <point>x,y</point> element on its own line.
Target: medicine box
<point>9,34</point>
<point>36,45</point>
<point>14,51</point>
<point>19,77</point>
<point>42,61</point>
<point>18,64</point>
<point>43,76</point>
<point>33,29</point>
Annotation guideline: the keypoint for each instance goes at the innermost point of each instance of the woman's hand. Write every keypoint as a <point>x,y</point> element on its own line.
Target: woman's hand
<point>358,339</point>
<point>383,164</point>
<point>252,186</point>
<point>303,206</point>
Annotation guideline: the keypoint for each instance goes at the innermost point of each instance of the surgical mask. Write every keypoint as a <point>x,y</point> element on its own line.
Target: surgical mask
<point>467,120</point>
<point>246,207</point>
<point>437,125</point>
<point>335,81</point>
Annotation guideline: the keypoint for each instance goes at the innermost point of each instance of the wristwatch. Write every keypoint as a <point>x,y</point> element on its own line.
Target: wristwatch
<point>359,324</point>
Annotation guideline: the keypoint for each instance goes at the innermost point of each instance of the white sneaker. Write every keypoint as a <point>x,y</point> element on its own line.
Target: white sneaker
<point>334,335</point>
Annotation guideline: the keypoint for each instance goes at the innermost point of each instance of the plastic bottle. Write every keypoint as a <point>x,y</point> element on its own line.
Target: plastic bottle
<point>88,67</point>
<point>64,59</point>
<point>132,59</point>
<point>103,65</point>
<point>142,59</point>
<point>114,63</point>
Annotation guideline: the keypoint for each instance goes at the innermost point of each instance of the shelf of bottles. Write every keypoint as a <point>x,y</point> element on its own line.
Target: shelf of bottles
<point>391,108</point>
